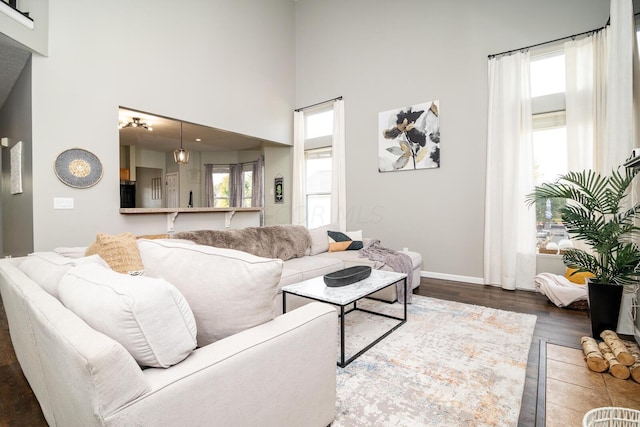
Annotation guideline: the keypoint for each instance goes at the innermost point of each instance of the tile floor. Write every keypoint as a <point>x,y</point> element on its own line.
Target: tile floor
<point>572,389</point>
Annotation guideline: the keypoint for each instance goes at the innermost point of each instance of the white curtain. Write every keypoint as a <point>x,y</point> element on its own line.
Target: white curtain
<point>586,74</point>
<point>622,115</point>
<point>298,202</point>
<point>623,68</point>
<point>208,185</point>
<point>509,242</point>
<point>338,185</point>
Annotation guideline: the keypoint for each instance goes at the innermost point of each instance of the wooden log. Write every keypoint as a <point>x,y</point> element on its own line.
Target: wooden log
<point>635,368</point>
<point>592,355</point>
<point>616,368</point>
<point>619,350</point>
<point>633,348</point>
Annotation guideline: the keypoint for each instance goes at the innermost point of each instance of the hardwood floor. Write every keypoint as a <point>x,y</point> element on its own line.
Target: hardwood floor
<point>18,406</point>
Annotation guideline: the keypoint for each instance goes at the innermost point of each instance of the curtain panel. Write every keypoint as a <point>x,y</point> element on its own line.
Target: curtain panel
<point>509,245</point>
<point>586,74</point>
<point>298,202</point>
<point>338,169</point>
<point>208,186</point>
<point>257,195</point>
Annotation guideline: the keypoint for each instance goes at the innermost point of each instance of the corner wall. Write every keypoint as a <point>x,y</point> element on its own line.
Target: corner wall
<point>386,54</point>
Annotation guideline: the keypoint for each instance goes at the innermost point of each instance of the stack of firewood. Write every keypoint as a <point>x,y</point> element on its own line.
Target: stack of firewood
<point>621,358</point>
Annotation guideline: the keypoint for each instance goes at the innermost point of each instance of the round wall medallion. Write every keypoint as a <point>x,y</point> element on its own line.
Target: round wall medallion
<point>78,168</point>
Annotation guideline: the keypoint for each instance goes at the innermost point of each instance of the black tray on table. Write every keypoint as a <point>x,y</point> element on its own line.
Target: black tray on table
<point>347,276</point>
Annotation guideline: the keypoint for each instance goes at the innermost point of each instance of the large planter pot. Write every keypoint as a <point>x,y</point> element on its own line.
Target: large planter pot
<point>604,306</point>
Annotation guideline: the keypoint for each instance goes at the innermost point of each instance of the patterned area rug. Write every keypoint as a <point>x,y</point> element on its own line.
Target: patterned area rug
<point>451,364</point>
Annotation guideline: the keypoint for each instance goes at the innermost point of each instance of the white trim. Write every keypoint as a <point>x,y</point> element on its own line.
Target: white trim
<point>12,13</point>
<point>452,277</point>
<point>465,279</point>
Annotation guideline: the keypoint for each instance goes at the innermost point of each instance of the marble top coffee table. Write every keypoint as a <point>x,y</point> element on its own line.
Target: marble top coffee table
<point>346,295</point>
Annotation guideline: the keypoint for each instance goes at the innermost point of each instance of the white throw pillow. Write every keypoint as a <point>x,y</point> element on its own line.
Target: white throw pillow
<point>47,268</point>
<point>320,239</point>
<point>228,290</point>
<point>148,316</point>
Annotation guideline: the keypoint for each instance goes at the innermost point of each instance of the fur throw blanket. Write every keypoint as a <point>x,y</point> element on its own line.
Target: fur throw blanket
<point>276,241</point>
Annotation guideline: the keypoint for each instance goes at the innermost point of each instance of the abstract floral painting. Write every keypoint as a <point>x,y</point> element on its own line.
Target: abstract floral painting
<point>409,138</point>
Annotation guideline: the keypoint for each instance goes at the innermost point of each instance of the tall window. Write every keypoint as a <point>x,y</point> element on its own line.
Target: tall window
<point>221,193</point>
<point>318,186</point>
<point>318,162</point>
<point>549,139</point>
<point>247,185</point>
<point>234,185</point>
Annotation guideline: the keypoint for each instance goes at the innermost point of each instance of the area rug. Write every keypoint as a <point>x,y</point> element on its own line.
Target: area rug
<point>451,364</point>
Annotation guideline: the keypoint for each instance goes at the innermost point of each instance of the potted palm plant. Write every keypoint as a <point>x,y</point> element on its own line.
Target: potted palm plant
<point>597,214</point>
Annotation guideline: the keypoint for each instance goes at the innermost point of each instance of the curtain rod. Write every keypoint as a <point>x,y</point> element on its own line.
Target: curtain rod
<point>508,52</point>
<point>318,103</point>
<point>556,40</point>
<point>227,164</point>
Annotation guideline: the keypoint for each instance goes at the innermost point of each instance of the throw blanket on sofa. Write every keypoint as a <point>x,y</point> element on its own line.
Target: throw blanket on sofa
<point>276,241</point>
<point>396,260</point>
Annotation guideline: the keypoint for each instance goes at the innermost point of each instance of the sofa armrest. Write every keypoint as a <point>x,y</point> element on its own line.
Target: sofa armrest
<point>279,373</point>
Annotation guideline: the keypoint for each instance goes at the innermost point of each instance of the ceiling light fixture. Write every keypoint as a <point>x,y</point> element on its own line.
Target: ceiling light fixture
<point>181,155</point>
<point>136,122</point>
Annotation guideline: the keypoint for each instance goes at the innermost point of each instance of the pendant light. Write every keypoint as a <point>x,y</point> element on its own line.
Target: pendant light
<point>181,155</point>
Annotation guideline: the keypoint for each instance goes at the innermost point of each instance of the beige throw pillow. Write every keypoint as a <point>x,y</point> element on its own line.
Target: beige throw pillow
<point>119,251</point>
<point>228,290</point>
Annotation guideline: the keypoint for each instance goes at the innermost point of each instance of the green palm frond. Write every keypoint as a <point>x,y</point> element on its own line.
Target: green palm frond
<point>595,213</point>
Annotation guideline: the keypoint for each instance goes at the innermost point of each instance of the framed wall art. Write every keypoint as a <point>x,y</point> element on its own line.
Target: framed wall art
<point>409,137</point>
<point>78,168</point>
<point>278,189</point>
<point>16,168</point>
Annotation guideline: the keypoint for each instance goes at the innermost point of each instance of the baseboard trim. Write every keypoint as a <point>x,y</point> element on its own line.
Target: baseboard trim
<point>452,277</point>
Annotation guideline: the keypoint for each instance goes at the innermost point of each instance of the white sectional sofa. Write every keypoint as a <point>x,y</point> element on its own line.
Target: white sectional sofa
<point>308,259</point>
<point>95,350</point>
<point>278,372</point>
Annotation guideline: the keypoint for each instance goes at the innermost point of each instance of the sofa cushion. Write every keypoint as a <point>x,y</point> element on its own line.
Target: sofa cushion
<point>119,251</point>
<point>314,266</point>
<point>148,316</point>
<point>320,239</point>
<point>47,268</point>
<point>348,241</point>
<point>228,290</point>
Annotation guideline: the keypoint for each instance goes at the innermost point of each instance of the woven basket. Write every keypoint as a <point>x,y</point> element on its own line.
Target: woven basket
<point>548,251</point>
<point>611,417</point>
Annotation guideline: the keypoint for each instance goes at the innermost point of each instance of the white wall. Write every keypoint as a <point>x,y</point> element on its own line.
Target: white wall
<point>221,63</point>
<point>384,54</point>
<point>277,162</point>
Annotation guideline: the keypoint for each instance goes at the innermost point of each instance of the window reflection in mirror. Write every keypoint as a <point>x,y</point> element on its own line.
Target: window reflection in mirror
<point>221,172</point>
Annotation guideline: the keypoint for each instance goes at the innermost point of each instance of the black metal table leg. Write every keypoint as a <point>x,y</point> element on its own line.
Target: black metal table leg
<point>342,364</point>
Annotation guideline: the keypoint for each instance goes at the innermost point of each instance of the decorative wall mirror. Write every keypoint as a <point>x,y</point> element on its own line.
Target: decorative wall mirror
<point>153,147</point>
